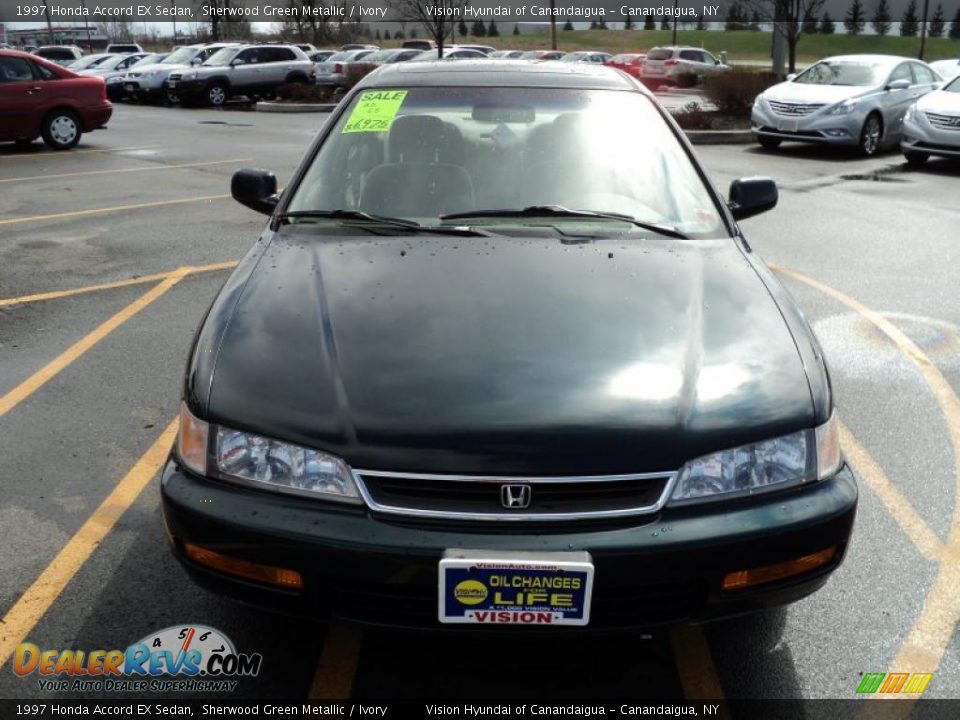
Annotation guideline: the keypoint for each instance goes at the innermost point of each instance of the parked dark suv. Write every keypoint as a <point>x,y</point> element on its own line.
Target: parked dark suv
<point>250,70</point>
<point>498,359</point>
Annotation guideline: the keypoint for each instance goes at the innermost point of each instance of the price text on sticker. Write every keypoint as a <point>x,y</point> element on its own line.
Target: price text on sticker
<point>375,111</point>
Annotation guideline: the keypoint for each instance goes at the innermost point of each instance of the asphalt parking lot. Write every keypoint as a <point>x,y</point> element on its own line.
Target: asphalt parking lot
<point>109,256</point>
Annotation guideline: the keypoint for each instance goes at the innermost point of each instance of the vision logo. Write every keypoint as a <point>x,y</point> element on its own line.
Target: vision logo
<point>894,683</point>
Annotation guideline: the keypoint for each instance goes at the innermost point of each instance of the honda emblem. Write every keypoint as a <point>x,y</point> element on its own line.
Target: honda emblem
<point>516,497</point>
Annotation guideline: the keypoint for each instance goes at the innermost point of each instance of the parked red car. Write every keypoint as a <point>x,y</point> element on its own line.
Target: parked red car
<point>41,99</point>
<point>630,63</point>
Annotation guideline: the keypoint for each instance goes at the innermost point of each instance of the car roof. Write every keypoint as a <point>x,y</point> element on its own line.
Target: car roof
<point>509,73</point>
<point>882,59</point>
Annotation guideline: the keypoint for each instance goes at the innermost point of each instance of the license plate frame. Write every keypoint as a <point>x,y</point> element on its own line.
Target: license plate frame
<point>790,126</point>
<point>478,587</point>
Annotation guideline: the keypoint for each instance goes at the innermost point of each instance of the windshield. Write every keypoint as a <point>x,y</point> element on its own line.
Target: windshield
<point>111,63</point>
<point>380,56</point>
<point>954,86</point>
<point>844,72</point>
<point>183,56</point>
<point>572,57</point>
<point>90,61</point>
<point>422,152</point>
<point>222,57</point>
<point>148,60</point>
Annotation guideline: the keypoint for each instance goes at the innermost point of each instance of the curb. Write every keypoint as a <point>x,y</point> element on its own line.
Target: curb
<point>276,107</point>
<point>719,137</point>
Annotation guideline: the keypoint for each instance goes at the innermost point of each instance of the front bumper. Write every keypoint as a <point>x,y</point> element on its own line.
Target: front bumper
<point>818,127</point>
<point>921,137</point>
<point>649,571</point>
<point>188,88</point>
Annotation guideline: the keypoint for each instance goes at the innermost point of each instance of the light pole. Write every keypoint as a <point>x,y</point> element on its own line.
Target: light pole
<point>553,25</point>
<point>923,29</point>
<point>173,4</point>
<point>46,14</point>
<point>674,23</point>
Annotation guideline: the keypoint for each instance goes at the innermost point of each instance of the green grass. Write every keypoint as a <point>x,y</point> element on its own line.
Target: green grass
<point>739,45</point>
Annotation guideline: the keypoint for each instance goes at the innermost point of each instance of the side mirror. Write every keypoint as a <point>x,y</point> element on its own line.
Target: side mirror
<point>898,84</point>
<point>196,61</point>
<point>752,196</point>
<point>791,77</point>
<point>238,61</point>
<point>257,189</point>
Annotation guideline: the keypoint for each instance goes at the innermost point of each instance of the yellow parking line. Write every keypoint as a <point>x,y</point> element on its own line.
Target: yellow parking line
<point>60,153</point>
<point>152,168</point>
<point>928,639</point>
<point>141,280</point>
<point>868,470</point>
<point>34,603</point>
<point>333,678</point>
<point>698,674</point>
<point>33,383</point>
<point>117,208</point>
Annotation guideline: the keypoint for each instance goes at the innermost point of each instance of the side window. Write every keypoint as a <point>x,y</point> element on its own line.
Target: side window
<point>690,55</point>
<point>251,56</point>
<point>902,73</point>
<point>204,54</point>
<point>922,74</point>
<point>709,59</point>
<point>45,73</point>
<point>15,69</point>
<point>285,55</point>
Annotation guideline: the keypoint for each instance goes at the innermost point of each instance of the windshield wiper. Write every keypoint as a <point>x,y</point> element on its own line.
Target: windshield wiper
<point>397,222</point>
<point>561,211</point>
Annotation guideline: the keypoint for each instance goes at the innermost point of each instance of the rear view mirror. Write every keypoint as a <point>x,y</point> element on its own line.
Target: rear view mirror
<point>257,189</point>
<point>752,196</point>
<point>901,84</point>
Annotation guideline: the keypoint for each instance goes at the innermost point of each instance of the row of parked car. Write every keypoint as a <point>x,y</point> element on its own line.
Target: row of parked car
<point>866,101</point>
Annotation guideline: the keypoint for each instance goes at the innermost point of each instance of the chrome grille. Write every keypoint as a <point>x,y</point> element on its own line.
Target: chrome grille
<point>944,122</point>
<point>788,109</point>
<point>175,76</point>
<point>472,497</point>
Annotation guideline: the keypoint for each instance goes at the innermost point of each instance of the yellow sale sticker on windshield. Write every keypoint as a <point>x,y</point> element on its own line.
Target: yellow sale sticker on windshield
<point>375,111</point>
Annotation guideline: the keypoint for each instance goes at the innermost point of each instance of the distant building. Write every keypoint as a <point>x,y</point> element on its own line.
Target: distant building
<point>85,37</point>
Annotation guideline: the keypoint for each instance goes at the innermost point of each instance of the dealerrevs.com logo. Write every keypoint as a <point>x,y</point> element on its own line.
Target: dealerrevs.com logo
<point>181,658</point>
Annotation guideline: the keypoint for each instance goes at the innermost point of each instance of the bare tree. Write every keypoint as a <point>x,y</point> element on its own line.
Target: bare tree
<point>438,17</point>
<point>788,17</point>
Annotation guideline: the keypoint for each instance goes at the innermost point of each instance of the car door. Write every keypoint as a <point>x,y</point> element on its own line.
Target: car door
<point>710,63</point>
<point>282,64</point>
<point>247,70</point>
<point>20,96</point>
<point>896,102</point>
<point>691,61</point>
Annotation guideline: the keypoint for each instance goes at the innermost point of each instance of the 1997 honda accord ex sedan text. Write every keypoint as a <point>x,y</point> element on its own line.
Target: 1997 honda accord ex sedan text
<point>500,358</point>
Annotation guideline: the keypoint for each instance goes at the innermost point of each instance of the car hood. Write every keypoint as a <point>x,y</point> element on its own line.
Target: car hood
<point>809,93</point>
<point>483,355</point>
<point>940,102</point>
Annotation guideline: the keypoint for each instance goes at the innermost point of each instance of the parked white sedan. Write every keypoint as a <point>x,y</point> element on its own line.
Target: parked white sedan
<point>932,125</point>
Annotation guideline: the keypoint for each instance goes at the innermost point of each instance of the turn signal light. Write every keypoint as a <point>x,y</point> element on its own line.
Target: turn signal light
<point>268,574</point>
<point>743,579</point>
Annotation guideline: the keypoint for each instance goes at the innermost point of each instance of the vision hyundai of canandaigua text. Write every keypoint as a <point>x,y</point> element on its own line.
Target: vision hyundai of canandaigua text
<point>502,356</point>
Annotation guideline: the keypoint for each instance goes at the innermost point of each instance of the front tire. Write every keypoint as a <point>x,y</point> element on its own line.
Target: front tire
<point>870,136</point>
<point>217,94</point>
<point>61,129</point>
<point>769,143</point>
<point>915,159</point>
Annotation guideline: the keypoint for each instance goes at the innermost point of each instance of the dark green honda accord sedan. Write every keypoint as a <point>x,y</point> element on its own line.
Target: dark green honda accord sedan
<point>502,356</point>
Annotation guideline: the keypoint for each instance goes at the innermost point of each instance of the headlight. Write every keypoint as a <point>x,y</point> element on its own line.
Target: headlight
<point>283,467</point>
<point>190,75</point>
<point>758,102</point>
<point>115,79</point>
<point>847,106</point>
<point>774,464</point>
<point>911,112</point>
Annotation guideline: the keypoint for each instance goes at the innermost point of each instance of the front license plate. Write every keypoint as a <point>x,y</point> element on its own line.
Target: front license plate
<point>171,83</point>
<point>130,86</point>
<point>515,588</point>
<point>787,125</point>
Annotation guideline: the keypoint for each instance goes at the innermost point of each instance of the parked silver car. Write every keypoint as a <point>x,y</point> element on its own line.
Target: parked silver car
<point>856,100</point>
<point>333,70</point>
<point>664,65</point>
<point>932,125</point>
<point>151,83</point>
<point>947,69</point>
<point>597,57</point>
<point>254,71</point>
